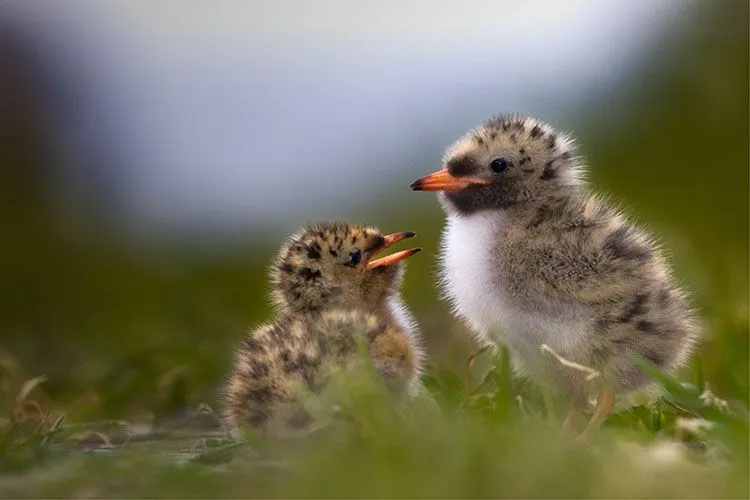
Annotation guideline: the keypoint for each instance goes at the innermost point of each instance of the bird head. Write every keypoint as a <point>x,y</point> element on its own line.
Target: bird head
<point>334,265</point>
<point>508,161</point>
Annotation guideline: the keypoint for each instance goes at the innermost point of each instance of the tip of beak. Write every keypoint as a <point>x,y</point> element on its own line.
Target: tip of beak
<point>409,234</point>
<point>416,185</point>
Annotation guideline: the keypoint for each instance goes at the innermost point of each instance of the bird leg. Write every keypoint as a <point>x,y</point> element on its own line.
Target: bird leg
<point>469,370</point>
<point>575,414</point>
<point>604,404</point>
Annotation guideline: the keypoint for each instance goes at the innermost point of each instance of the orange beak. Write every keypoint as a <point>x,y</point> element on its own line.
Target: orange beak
<point>395,258</point>
<point>444,181</point>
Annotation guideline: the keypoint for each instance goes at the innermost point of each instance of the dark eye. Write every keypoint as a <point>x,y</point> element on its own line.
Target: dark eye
<point>355,257</point>
<point>499,165</point>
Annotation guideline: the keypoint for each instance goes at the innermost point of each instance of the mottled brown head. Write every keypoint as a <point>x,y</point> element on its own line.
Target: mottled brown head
<point>333,265</point>
<point>506,162</point>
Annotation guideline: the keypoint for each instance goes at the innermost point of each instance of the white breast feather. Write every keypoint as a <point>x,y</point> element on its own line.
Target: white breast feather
<point>406,322</point>
<point>477,294</point>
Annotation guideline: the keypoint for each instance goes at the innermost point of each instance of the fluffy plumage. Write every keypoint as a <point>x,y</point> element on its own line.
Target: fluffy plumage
<point>329,294</point>
<point>531,256</point>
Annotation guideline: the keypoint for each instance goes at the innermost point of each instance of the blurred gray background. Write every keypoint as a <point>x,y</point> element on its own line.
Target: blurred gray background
<point>279,110</point>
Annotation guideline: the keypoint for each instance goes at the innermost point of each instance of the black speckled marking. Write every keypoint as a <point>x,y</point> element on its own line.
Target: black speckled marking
<point>565,156</point>
<point>548,172</point>
<point>636,308</point>
<point>333,252</point>
<point>493,135</point>
<point>522,151</point>
<point>655,357</point>
<point>536,131</point>
<point>552,141</point>
<point>302,363</point>
<point>278,332</point>
<point>286,267</point>
<point>262,395</point>
<point>251,344</point>
<point>581,223</point>
<point>290,365</point>
<point>646,326</point>
<point>480,141</point>
<point>313,251</point>
<point>618,243</point>
<point>513,138</point>
<point>259,369</point>
<point>308,274</point>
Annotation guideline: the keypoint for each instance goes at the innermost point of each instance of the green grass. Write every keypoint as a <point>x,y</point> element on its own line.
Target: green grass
<point>493,437</point>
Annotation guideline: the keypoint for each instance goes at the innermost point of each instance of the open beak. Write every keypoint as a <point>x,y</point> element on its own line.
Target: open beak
<point>442,180</point>
<point>394,258</point>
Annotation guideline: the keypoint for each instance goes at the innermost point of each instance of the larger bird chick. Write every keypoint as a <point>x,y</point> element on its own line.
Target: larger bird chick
<point>531,256</point>
<point>330,293</point>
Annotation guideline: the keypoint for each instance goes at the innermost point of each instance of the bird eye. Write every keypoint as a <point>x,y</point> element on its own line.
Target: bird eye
<point>499,165</point>
<point>355,257</point>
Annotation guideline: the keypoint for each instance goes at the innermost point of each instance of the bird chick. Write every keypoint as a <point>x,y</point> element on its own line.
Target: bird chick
<point>330,293</point>
<point>530,256</point>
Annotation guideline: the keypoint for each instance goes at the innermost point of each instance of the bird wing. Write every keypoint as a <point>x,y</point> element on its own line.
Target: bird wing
<point>593,265</point>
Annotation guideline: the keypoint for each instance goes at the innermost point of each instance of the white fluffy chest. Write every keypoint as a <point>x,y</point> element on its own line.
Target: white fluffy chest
<point>476,287</point>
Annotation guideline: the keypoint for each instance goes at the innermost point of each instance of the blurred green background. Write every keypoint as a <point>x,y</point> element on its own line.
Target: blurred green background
<point>129,330</point>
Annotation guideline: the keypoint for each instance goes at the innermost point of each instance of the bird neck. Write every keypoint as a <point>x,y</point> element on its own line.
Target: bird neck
<point>380,307</point>
<point>383,310</point>
<point>547,210</point>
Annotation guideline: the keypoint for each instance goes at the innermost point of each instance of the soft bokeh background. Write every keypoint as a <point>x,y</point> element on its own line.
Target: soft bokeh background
<point>153,156</point>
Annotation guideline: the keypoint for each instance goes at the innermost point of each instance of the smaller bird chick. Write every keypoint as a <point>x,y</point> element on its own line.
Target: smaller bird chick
<point>330,294</point>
